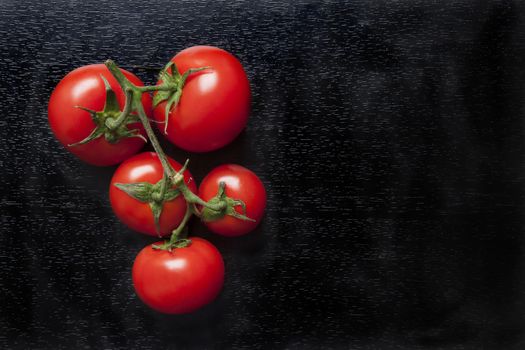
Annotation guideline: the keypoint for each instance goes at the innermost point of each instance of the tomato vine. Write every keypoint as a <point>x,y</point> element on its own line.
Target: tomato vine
<point>220,205</point>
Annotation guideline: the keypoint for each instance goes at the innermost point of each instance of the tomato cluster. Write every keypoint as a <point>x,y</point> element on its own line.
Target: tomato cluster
<point>200,103</point>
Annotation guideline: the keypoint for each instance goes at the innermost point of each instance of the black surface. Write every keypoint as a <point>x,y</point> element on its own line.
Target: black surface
<point>390,137</point>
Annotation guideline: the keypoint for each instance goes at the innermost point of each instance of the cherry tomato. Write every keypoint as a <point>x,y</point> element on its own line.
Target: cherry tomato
<point>84,87</point>
<point>215,103</point>
<point>242,184</point>
<point>180,281</point>
<point>137,215</point>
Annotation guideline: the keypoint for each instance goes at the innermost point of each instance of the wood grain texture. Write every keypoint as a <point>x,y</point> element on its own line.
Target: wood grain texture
<point>390,137</point>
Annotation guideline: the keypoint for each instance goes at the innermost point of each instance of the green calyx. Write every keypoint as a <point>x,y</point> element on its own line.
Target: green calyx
<point>110,122</point>
<point>170,88</point>
<point>226,206</point>
<point>169,245</point>
<point>153,194</point>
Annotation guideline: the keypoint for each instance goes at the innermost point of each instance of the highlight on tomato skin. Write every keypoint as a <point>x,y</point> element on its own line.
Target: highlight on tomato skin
<point>181,281</point>
<point>241,184</point>
<point>84,87</point>
<point>215,103</point>
<point>137,215</point>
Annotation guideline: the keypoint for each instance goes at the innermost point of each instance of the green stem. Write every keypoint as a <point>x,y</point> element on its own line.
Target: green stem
<point>153,88</point>
<point>115,123</point>
<point>117,73</point>
<point>194,199</point>
<point>176,234</point>
<point>168,170</point>
<point>164,185</point>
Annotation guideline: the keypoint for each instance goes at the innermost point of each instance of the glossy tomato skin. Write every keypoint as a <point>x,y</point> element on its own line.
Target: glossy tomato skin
<point>215,103</point>
<point>180,281</point>
<point>243,184</point>
<point>146,167</point>
<point>84,87</point>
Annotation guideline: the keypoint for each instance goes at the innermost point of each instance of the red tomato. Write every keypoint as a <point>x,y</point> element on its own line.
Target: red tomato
<point>215,103</point>
<point>180,281</point>
<point>242,184</point>
<point>84,87</point>
<point>146,167</point>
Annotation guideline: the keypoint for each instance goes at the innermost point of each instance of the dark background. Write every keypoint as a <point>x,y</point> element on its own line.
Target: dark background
<point>390,138</point>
